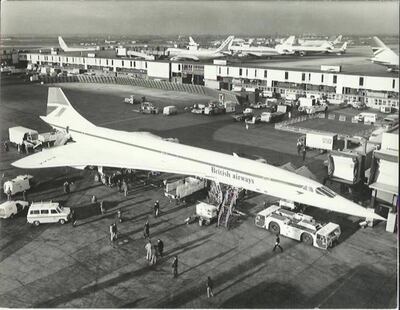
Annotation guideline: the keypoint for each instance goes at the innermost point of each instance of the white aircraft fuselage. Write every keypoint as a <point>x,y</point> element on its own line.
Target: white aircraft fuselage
<point>99,146</point>
<point>255,50</point>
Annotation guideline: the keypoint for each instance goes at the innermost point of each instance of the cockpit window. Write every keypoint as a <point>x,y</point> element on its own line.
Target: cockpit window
<point>308,188</point>
<point>325,191</point>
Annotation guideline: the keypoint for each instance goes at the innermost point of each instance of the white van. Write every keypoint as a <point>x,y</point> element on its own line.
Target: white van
<point>47,212</point>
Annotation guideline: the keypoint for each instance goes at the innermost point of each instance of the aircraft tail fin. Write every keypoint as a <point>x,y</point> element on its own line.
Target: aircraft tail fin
<point>60,113</point>
<point>289,41</point>
<point>226,44</point>
<point>62,43</point>
<point>377,45</point>
<point>344,46</point>
<point>337,40</point>
<point>192,42</point>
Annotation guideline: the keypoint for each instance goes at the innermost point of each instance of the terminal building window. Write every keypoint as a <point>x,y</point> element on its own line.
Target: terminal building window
<point>240,72</point>
<point>255,72</point>
<point>247,72</point>
<point>265,73</point>
<point>322,78</point>
<point>303,76</point>
<point>361,81</point>
<point>179,67</point>
<point>394,84</point>
<point>122,63</point>
<point>286,75</point>
<point>227,71</point>
<point>219,70</point>
<point>334,79</point>
<point>309,76</point>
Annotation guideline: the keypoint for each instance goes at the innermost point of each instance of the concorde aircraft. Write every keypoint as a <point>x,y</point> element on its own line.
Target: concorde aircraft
<point>384,56</point>
<point>103,147</point>
<point>65,47</point>
<point>200,54</point>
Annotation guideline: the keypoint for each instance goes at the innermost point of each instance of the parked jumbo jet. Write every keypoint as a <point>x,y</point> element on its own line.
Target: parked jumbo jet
<point>99,146</point>
<point>201,54</point>
<point>244,50</point>
<point>65,47</point>
<point>333,41</point>
<point>292,46</point>
<point>384,56</point>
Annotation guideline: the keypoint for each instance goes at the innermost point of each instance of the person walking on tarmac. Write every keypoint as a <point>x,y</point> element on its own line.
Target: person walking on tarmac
<point>160,247</point>
<point>277,243</point>
<point>156,208</point>
<point>146,231</point>
<point>175,266</point>
<point>210,286</point>
<point>298,145</point>
<point>303,151</point>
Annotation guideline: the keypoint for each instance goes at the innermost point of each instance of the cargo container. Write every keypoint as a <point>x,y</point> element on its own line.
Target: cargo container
<point>170,110</point>
<point>321,141</point>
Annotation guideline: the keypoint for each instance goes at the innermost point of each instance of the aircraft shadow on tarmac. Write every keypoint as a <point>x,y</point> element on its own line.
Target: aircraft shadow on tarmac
<point>120,278</point>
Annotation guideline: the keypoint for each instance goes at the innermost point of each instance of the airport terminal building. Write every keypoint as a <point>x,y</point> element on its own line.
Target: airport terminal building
<point>375,89</point>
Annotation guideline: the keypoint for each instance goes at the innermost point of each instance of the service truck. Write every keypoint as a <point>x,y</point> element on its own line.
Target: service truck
<point>198,108</point>
<point>53,138</point>
<point>184,187</point>
<point>245,115</point>
<point>311,106</point>
<point>21,135</point>
<point>148,108</point>
<point>214,108</point>
<point>298,226</point>
<point>271,117</point>
<point>132,100</point>
<point>18,185</point>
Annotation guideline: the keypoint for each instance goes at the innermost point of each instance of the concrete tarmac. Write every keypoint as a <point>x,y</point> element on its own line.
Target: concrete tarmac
<point>63,266</point>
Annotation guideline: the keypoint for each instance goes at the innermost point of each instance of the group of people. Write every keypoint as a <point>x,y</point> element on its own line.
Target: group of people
<point>154,251</point>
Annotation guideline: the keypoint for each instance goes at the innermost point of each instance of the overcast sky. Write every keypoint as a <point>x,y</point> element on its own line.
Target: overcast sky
<point>197,17</point>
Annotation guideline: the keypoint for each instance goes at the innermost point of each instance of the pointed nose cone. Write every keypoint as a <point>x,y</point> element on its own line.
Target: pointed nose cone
<point>348,207</point>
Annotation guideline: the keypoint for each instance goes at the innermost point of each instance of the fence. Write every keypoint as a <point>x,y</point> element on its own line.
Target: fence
<point>287,125</point>
<point>164,85</point>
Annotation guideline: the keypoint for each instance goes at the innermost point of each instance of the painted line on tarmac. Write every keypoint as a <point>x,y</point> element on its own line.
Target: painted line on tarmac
<point>122,120</point>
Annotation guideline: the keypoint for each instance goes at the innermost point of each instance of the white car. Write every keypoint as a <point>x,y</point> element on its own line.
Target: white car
<point>11,208</point>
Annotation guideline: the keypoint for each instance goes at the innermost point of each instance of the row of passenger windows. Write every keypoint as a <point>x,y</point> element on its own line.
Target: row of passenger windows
<point>45,211</point>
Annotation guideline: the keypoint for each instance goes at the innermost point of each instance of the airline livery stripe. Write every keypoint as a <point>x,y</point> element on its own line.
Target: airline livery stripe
<point>181,157</point>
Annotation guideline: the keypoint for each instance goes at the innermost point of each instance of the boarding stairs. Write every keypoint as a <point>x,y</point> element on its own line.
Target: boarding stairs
<point>227,207</point>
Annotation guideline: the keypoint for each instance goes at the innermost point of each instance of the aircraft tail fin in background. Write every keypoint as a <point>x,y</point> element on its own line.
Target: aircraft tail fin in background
<point>289,41</point>
<point>337,40</point>
<point>192,42</point>
<point>62,43</point>
<point>226,44</point>
<point>60,113</point>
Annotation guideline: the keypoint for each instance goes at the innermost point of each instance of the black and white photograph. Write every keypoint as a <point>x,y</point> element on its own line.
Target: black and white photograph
<point>198,154</point>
